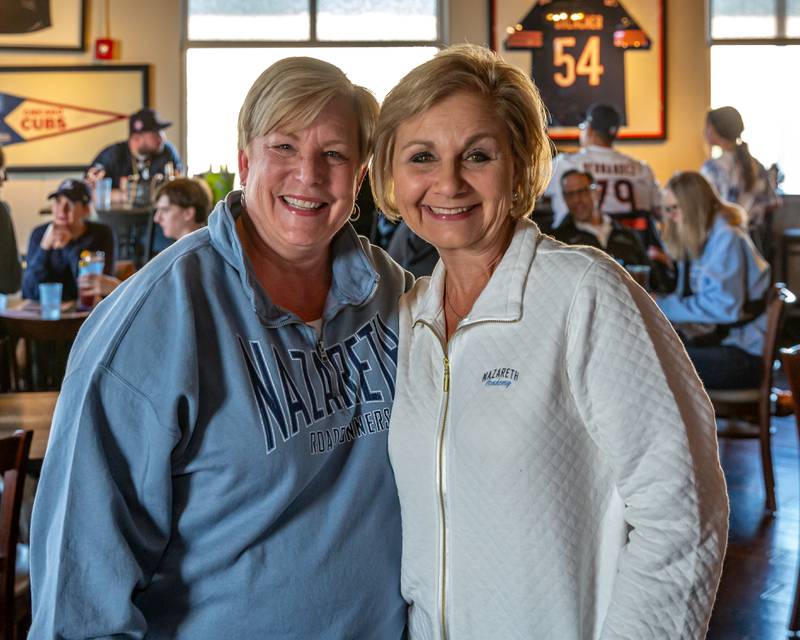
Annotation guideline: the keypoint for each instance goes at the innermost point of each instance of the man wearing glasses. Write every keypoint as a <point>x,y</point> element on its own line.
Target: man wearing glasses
<point>585,224</point>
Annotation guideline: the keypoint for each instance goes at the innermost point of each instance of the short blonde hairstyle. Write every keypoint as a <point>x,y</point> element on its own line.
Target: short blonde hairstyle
<point>699,204</point>
<point>294,91</point>
<point>511,95</point>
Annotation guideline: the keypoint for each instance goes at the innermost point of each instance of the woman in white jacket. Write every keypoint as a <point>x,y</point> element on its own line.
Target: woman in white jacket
<point>555,453</point>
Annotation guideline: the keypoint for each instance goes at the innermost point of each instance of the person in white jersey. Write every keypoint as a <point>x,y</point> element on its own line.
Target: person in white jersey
<point>625,183</point>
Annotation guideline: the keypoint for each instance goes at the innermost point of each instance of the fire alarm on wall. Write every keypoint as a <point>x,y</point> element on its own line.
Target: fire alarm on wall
<point>104,49</point>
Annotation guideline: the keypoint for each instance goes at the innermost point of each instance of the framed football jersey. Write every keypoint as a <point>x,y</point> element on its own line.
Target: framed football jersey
<point>579,52</point>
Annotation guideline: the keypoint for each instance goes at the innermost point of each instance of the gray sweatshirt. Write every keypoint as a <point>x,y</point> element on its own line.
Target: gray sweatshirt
<point>215,470</point>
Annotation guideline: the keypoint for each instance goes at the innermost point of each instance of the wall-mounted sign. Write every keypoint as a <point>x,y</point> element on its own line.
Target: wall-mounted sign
<point>50,25</point>
<point>58,118</point>
<point>579,52</point>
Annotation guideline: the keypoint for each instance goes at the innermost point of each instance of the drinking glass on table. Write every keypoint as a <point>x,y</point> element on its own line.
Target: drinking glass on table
<point>91,263</point>
<point>50,300</point>
<point>102,193</point>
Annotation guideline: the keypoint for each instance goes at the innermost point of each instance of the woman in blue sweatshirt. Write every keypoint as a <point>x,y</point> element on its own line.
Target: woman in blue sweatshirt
<point>720,275</point>
<point>218,464</point>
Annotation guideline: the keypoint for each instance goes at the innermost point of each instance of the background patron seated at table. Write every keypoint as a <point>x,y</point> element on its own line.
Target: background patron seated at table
<point>722,281</point>
<point>182,206</point>
<point>585,224</point>
<point>10,269</point>
<point>54,249</point>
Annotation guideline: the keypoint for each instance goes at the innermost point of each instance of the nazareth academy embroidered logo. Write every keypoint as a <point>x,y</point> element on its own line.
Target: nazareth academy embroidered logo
<point>503,377</point>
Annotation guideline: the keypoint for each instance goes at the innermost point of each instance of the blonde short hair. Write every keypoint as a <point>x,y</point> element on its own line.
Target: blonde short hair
<point>294,91</point>
<point>700,204</point>
<point>512,96</point>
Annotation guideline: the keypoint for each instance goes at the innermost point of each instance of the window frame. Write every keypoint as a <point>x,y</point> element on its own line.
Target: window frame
<point>312,42</point>
<point>779,39</point>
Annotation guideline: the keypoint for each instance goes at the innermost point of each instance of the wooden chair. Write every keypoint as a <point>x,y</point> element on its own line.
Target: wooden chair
<point>747,404</point>
<point>791,366</point>
<point>46,345</point>
<point>15,606</point>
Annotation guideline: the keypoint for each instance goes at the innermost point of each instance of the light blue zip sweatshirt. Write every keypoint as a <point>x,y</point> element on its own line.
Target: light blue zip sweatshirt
<point>729,273</point>
<point>215,471</point>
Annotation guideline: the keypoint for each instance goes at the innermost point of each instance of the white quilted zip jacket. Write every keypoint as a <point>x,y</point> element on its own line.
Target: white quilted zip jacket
<point>564,482</point>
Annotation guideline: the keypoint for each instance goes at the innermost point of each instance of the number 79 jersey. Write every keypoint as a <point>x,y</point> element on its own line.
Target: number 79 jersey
<point>625,184</point>
<point>578,49</point>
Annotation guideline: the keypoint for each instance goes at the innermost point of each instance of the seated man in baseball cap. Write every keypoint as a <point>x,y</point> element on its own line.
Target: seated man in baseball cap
<point>144,154</point>
<point>54,248</point>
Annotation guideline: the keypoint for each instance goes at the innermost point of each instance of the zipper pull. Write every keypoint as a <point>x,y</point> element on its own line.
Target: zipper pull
<point>446,374</point>
<point>334,372</point>
<point>323,355</point>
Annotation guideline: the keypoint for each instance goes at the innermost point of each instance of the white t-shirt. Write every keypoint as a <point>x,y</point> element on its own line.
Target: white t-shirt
<point>625,183</point>
<point>600,231</point>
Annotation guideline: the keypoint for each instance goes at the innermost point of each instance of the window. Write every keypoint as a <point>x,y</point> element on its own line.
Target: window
<point>754,20</point>
<point>755,44</point>
<point>229,42</point>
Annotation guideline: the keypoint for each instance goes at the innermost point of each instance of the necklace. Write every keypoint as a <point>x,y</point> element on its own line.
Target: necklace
<point>490,269</point>
<point>450,305</point>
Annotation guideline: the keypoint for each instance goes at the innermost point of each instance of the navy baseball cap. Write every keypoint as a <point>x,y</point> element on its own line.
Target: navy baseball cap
<point>146,120</point>
<point>604,119</point>
<point>75,190</point>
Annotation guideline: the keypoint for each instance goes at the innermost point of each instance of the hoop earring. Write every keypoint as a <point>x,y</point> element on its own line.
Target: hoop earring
<point>356,213</point>
<point>242,203</point>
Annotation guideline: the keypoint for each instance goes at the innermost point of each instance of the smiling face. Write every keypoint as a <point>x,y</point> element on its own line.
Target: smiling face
<point>580,198</point>
<point>301,184</point>
<point>453,175</point>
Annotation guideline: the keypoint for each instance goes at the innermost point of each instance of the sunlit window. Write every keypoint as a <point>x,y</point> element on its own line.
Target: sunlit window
<point>229,42</point>
<point>755,43</point>
<point>752,78</point>
<point>754,20</point>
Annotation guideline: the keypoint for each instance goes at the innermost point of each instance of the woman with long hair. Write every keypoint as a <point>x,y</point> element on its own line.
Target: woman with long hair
<point>721,279</point>
<point>736,175</point>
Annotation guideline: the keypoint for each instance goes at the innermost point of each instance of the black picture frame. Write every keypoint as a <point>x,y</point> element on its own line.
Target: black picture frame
<point>57,25</point>
<point>72,113</point>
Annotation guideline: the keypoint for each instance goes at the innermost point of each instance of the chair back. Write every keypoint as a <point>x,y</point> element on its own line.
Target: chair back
<point>790,358</point>
<point>14,450</point>
<point>46,345</point>
<point>642,223</point>
<point>777,299</point>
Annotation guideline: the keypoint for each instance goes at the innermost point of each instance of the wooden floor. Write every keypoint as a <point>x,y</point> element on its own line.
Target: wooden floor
<point>757,587</point>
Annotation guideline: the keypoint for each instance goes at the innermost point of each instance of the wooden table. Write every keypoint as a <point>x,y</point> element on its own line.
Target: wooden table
<point>32,411</point>
<point>45,344</point>
<point>30,310</point>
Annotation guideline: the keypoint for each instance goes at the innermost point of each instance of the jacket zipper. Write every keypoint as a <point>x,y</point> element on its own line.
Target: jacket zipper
<point>441,461</point>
